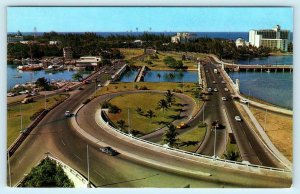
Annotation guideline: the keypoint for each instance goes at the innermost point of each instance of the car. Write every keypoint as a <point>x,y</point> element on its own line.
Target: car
<point>214,82</point>
<point>67,113</point>
<point>181,125</point>
<point>238,118</point>
<point>108,150</point>
<point>206,71</point>
<point>244,101</point>
<point>224,98</point>
<point>223,82</point>
<point>27,100</point>
<point>215,89</point>
<point>99,85</point>
<point>226,89</point>
<point>209,89</point>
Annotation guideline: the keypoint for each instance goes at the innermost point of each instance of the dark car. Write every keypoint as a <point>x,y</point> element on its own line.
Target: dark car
<point>109,151</point>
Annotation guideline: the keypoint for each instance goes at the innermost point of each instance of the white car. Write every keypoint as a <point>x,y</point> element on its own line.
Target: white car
<point>238,118</point>
<point>214,82</point>
<point>223,82</point>
<point>244,101</point>
<point>224,98</point>
<point>215,89</point>
<point>99,85</point>
<point>226,89</point>
<point>209,89</point>
<point>67,113</point>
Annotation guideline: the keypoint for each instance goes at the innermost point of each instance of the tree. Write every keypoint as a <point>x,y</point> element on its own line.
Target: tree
<point>150,114</point>
<point>43,83</point>
<point>47,174</point>
<point>77,76</point>
<point>139,110</point>
<point>232,155</point>
<point>163,104</point>
<point>121,124</point>
<point>169,96</point>
<point>170,136</point>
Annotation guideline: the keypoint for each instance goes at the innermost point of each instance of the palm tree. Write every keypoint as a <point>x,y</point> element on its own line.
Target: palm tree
<point>169,96</point>
<point>150,114</point>
<point>139,110</point>
<point>121,124</point>
<point>232,155</point>
<point>163,104</point>
<point>170,136</point>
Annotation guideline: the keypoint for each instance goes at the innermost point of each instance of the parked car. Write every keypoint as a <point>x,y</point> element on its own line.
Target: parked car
<point>224,98</point>
<point>215,89</point>
<point>226,89</point>
<point>209,89</point>
<point>67,113</point>
<point>238,118</point>
<point>99,85</point>
<point>10,94</point>
<point>214,82</point>
<point>109,151</point>
<point>223,82</point>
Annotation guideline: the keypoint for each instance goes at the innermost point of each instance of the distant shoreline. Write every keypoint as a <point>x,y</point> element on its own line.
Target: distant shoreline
<point>280,54</point>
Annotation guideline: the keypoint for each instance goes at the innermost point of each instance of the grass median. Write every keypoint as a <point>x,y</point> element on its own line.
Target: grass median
<point>14,113</point>
<point>190,140</point>
<point>139,121</point>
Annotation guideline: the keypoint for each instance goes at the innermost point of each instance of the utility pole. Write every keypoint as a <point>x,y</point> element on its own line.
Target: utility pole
<point>45,101</point>
<point>215,141</point>
<point>88,165</point>
<point>21,118</point>
<point>129,122</point>
<point>266,119</point>
<point>9,173</point>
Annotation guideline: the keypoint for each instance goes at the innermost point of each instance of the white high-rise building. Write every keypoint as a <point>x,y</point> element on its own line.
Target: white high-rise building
<point>273,38</point>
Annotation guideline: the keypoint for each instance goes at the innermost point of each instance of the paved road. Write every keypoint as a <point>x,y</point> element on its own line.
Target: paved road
<point>251,149</point>
<point>55,134</point>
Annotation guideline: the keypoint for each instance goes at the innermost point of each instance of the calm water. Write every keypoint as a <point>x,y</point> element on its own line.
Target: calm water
<point>162,76</point>
<point>171,76</point>
<point>28,76</point>
<point>275,88</point>
<point>275,60</point>
<point>129,76</point>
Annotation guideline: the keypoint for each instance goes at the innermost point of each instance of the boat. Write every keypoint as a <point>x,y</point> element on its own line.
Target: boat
<point>268,71</point>
<point>31,67</point>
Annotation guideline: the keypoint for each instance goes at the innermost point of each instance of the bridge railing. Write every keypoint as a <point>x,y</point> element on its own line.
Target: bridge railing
<point>192,153</point>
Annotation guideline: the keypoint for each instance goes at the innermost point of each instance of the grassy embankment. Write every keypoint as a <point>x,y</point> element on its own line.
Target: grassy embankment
<point>279,128</point>
<point>146,101</point>
<point>158,63</point>
<point>27,110</point>
<point>189,141</point>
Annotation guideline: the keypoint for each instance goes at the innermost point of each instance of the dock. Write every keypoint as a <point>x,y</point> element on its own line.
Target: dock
<point>258,68</point>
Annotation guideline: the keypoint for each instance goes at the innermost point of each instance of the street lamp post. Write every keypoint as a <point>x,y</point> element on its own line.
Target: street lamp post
<point>21,118</point>
<point>215,140</point>
<point>9,173</point>
<point>45,101</point>
<point>88,165</point>
<point>266,119</point>
<point>129,122</point>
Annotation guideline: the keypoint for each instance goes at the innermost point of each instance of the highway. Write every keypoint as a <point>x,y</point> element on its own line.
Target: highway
<point>251,149</point>
<point>55,134</point>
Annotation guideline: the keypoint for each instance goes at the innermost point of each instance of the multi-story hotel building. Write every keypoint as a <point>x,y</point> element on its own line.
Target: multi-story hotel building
<point>273,38</point>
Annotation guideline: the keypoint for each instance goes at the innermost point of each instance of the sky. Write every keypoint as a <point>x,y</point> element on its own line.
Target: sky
<point>159,19</point>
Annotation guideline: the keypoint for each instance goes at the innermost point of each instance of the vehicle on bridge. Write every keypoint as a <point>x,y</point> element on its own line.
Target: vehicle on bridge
<point>244,101</point>
<point>109,151</point>
<point>68,114</point>
<point>238,118</point>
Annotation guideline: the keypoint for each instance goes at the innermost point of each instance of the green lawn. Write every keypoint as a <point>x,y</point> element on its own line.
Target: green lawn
<point>145,101</point>
<point>190,140</point>
<point>187,88</point>
<point>130,53</point>
<point>14,118</point>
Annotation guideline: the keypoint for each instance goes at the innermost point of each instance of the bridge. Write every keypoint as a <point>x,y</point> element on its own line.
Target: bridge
<point>258,68</point>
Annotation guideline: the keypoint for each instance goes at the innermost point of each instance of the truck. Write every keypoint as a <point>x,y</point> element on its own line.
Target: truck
<point>215,71</point>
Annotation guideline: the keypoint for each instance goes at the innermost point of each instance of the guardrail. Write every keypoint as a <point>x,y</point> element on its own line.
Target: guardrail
<point>192,153</point>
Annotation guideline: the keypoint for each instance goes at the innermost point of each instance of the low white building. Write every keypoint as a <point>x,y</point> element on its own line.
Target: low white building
<point>241,42</point>
<point>54,42</point>
<point>88,62</point>
<point>183,37</point>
